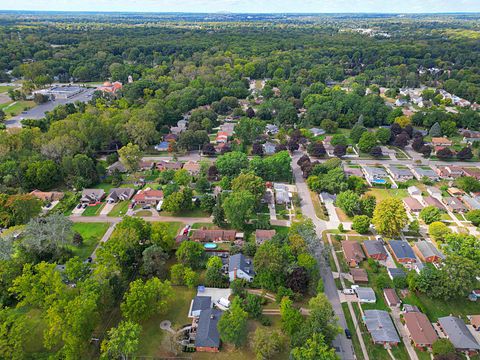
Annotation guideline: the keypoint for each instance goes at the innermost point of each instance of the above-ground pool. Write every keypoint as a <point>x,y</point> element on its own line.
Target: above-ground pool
<point>379,181</point>
<point>210,246</point>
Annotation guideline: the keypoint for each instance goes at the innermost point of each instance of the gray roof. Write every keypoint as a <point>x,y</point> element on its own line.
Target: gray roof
<point>428,172</point>
<point>380,326</point>
<point>400,171</point>
<point>240,262</point>
<point>471,202</point>
<point>201,303</point>
<point>428,249</point>
<point>207,332</point>
<point>375,172</point>
<point>269,148</point>
<point>366,293</point>
<point>402,249</point>
<point>117,166</point>
<point>458,333</point>
<point>396,272</point>
<point>121,194</point>
<point>374,247</point>
<point>92,194</point>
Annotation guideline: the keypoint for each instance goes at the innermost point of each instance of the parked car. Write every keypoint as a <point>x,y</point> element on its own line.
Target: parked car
<point>146,207</point>
<point>349,291</point>
<point>79,206</point>
<point>348,334</point>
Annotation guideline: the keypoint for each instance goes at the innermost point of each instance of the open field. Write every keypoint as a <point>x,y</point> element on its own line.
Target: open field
<point>91,234</point>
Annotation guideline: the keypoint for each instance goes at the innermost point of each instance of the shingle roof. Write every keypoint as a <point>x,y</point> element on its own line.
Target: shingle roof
<point>201,303</point>
<point>207,332</point>
<point>413,204</point>
<point>420,329</point>
<point>374,247</point>
<point>366,293</point>
<point>402,249</point>
<point>360,275</point>
<point>427,249</point>
<point>380,326</point>
<point>240,262</point>
<point>353,250</point>
<point>431,201</point>
<point>458,333</point>
<point>396,272</point>
<point>392,296</point>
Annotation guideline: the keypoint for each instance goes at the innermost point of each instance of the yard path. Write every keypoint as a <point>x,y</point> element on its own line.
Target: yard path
<point>116,220</point>
<point>105,238</point>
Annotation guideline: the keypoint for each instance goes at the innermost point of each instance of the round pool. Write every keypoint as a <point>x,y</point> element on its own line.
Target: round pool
<point>210,246</point>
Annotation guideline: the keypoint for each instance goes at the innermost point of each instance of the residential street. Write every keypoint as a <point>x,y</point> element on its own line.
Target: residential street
<point>342,344</point>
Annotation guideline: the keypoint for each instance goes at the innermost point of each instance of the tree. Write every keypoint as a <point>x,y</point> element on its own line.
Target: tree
<point>153,261</point>
<point>458,277</point>
<point>130,156</point>
<point>316,149</point>
<point>435,130</point>
<point>468,184</point>
<point>248,130</point>
<point>349,202</point>
<point>322,318</point>
<point>430,214</point>
<point>465,154</point>
<point>438,231</point>
<point>249,182</point>
<point>401,140</point>
<point>232,163</point>
<point>214,275</point>
<point>474,217</point>
<point>232,326</point>
<point>208,149</point>
<point>357,132</point>
<point>182,177</point>
<point>384,135</point>
<point>297,280</point>
<point>403,121</point>
<point>361,224</point>
<point>267,344</point>
<point>466,246</point>
<point>376,152</point>
<point>339,150</point>
<point>414,226</point>
<point>329,126</point>
<point>177,274</point>
<point>417,144</point>
<point>191,278</point>
<point>367,205</point>
<point>144,299</point>
<point>161,235</point>
<point>339,139</point>
<point>292,319</point>
<point>367,141</point>
<point>444,154</point>
<point>121,341</point>
<point>426,151</point>
<point>238,208</point>
<point>315,348</point>
<point>250,112</point>
<point>269,264</point>
<point>390,217</point>
<point>2,115</point>
<point>191,253</point>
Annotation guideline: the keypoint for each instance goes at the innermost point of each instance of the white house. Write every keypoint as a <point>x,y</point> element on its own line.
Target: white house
<point>240,267</point>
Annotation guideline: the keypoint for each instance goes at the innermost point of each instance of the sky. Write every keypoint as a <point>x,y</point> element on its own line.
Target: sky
<point>248,6</point>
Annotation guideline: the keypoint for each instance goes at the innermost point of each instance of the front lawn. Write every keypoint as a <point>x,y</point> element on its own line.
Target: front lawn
<point>382,194</point>
<point>93,210</point>
<point>318,207</point>
<point>91,233</point>
<point>119,209</point>
<point>196,212</point>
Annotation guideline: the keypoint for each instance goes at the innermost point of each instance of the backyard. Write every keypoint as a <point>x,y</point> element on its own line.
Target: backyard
<point>91,234</point>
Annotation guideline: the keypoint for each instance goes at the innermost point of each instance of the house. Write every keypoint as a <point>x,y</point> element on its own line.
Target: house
<point>349,171</point>
<point>359,275</point>
<point>170,138</point>
<point>168,165</point>
<point>434,192</point>
<point>365,295</point>
<point>441,141</point>
<point>428,252</point>
<point>282,196</point>
<point>48,196</point>
<point>457,332</point>
<point>352,250</point>
<point>193,167</point>
<point>425,172</point>
<point>432,201</point>
<point>227,128</point>
<point>92,196</point>
<point>413,190</point>
<point>213,235</point>
<point>391,298</point>
<point>474,321</point>
<point>120,194</point>
<point>412,204</point>
<point>317,131</point>
<point>395,273</point>
<point>402,251</point>
<point>470,203</point>
<point>148,197</point>
<point>374,249</point>
<point>163,146</point>
<point>419,329</point>
<point>177,130</point>
<point>145,165</point>
<point>381,327</point>
<point>449,172</point>
<point>271,129</point>
<point>456,192</point>
<point>473,172</point>
<point>111,88</point>
<point>400,174</point>
<point>222,137</point>
<point>240,267</point>
<point>375,175</point>
<point>454,205</point>
<point>117,166</point>
<point>198,304</point>
<point>401,102</point>
<point>263,235</point>
<point>269,148</point>
<point>406,308</point>
<point>207,338</point>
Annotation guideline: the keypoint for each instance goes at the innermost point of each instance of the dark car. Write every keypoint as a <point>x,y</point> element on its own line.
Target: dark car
<point>146,207</point>
<point>348,334</point>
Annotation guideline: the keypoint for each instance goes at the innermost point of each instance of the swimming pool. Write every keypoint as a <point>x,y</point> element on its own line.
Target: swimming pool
<point>210,246</point>
<point>380,181</point>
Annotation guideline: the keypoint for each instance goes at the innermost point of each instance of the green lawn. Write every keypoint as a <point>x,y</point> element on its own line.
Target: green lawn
<point>91,234</point>
<point>93,210</point>
<point>382,194</point>
<point>15,108</point>
<point>372,282</point>
<point>317,206</point>
<point>351,327</point>
<point>5,88</point>
<point>190,213</point>
<point>203,225</point>
<point>119,209</point>
<point>143,213</point>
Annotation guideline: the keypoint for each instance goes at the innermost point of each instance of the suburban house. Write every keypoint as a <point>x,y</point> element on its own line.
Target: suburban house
<point>240,267</point>
<point>381,327</point>
<point>412,204</point>
<point>400,174</point>
<point>145,165</point>
<point>170,137</point>
<point>425,172</point>
<point>271,129</point>
<point>222,137</point>
<point>391,298</point>
<point>365,295</point>
<point>374,174</point>
<point>117,166</point>
<point>427,252</point>
<point>441,141</point>
<point>111,88</point>
<point>473,172</point>
<point>163,146</point>
<point>207,338</point>
<point>317,131</point>
<point>198,304</point>
<point>350,171</point>
<point>228,128</point>
<point>419,329</point>
<point>269,148</point>
<point>120,194</point>
<point>168,165</point>
<point>214,235</point>
<point>148,197</point>
<point>353,252</point>
<point>395,273</point>
<point>455,192</point>
<point>457,332</point>
<point>449,172</point>
<point>92,196</point>
<point>193,167</point>
<point>263,235</point>
<point>282,195</point>
<point>402,251</point>
<point>48,196</point>
<point>413,190</point>
<point>432,201</point>
<point>470,203</point>
<point>359,275</point>
<point>434,192</point>
<point>454,205</point>
<point>374,249</point>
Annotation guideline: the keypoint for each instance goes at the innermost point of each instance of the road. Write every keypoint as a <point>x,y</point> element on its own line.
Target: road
<point>38,112</point>
<point>344,345</point>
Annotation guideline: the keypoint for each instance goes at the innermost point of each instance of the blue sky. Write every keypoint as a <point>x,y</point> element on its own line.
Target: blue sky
<point>250,6</point>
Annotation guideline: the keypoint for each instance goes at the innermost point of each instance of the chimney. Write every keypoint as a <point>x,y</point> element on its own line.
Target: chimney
<point>234,273</point>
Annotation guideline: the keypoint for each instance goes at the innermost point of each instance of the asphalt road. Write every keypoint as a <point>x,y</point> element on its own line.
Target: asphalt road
<point>341,343</point>
<point>38,112</point>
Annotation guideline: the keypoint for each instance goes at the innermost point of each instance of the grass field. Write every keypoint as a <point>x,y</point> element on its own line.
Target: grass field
<point>5,88</point>
<point>382,194</point>
<point>91,234</point>
<point>143,213</point>
<point>15,108</point>
<point>190,213</point>
<point>317,205</point>
<point>119,209</point>
<point>93,210</point>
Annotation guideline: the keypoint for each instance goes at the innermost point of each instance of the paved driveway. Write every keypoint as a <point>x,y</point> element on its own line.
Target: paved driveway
<point>107,208</point>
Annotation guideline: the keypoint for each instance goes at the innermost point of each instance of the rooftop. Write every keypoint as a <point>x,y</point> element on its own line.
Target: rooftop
<point>380,326</point>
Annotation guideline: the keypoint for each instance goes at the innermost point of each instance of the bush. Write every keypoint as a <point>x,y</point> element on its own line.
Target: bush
<point>361,224</point>
<point>430,214</point>
<point>474,217</point>
<point>443,347</point>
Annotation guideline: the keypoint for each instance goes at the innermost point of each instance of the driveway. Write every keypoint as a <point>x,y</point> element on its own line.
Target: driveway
<point>403,333</point>
<point>107,208</point>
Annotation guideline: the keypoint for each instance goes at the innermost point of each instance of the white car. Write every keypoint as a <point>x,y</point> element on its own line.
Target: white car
<point>349,291</point>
